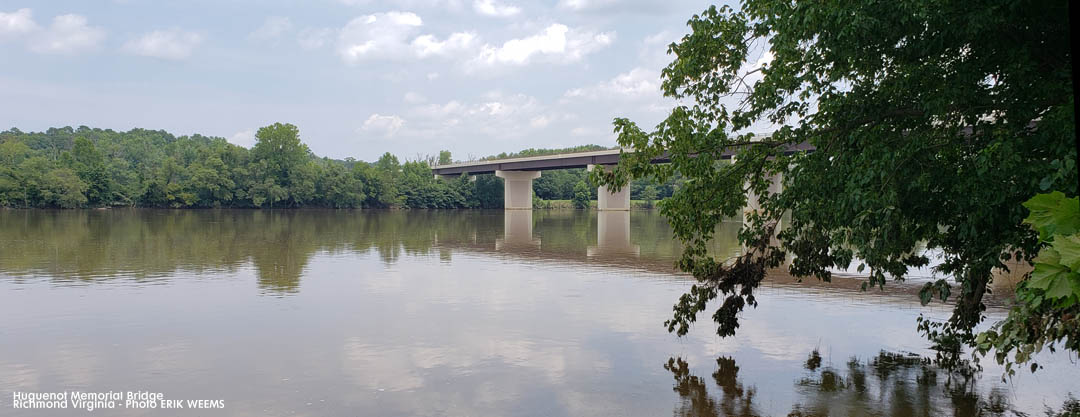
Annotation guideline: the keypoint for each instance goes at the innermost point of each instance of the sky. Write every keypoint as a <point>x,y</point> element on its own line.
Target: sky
<point>358,77</point>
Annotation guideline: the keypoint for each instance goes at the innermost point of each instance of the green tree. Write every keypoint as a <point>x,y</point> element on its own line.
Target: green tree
<point>285,159</point>
<point>649,195</point>
<point>65,189</point>
<point>89,163</point>
<point>389,164</point>
<point>932,122</point>
<point>379,189</point>
<point>581,195</point>
<point>488,191</point>
<point>339,188</point>
<point>445,158</point>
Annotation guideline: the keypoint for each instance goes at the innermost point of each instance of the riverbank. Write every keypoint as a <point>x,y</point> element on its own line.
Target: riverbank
<point>569,204</point>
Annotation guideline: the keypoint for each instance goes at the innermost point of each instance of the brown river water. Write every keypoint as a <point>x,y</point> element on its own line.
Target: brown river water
<point>462,313</point>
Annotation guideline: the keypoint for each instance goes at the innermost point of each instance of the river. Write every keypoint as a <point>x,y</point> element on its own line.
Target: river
<point>546,313</point>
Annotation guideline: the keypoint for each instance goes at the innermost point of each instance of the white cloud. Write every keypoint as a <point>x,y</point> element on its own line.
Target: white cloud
<point>272,28</point>
<point>638,83</point>
<point>496,116</point>
<point>557,42</point>
<point>408,4</point>
<point>391,36</point>
<point>69,34</point>
<point>171,44</point>
<point>607,6</point>
<point>427,45</point>
<point>432,76</point>
<point>17,23</point>
<point>314,38</point>
<point>387,125</point>
<point>578,5</point>
<point>380,35</point>
<point>493,8</point>
<point>764,60</point>
<point>245,138</point>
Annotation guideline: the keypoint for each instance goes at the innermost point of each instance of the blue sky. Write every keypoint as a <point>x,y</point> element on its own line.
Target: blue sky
<point>359,77</point>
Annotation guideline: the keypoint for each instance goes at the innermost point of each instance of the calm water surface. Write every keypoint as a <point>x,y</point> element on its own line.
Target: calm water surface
<point>450,313</point>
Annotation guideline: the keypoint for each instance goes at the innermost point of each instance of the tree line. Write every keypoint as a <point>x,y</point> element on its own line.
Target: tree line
<point>88,167</point>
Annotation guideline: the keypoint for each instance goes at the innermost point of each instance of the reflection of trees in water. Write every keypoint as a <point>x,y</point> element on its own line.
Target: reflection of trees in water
<point>91,245</point>
<point>696,401</point>
<point>887,385</point>
<point>151,244</point>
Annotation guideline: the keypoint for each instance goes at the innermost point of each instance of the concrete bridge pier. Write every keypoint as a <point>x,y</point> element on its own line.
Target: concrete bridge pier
<point>517,188</point>
<point>608,200</point>
<point>753,203</point>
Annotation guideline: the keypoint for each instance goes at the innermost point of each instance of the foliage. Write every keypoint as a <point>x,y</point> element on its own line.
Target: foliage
<point>581,195</point>
<point>649,194</point>
<point>84,167</point>
<point>1048,308</point>
<point>445,158</point>
<point>932,123</point>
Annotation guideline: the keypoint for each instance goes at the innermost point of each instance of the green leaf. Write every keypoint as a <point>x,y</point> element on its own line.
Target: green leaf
<point>1045,275</point>
<point>1068,247</point>
<point>1046,183</point>
<point>1059,287</point>
<point>1048,256</point>
<point>1053,214</point>
<point>926,293</point>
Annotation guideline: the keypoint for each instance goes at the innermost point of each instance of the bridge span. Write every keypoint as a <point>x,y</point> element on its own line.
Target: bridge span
<point>519,173</point>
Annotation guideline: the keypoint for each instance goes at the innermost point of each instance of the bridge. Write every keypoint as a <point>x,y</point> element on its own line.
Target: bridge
<point>519,173</point>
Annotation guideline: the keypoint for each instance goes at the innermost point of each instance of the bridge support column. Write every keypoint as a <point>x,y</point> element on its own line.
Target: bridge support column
<point>608,200</point>
<point>753,204</point>
<point>517,188</point>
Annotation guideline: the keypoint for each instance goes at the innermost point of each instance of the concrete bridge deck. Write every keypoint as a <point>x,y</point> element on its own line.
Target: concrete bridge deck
<point>564,161</point>
<point>533,163</point>
<point>518,173</point>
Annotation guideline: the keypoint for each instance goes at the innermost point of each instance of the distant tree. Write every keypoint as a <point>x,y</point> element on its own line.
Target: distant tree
<point>338,188</point>
<point>279,145</point>
<point>445,158</point>
<point>284,160</point>
<point>89,164</point>
<point>389,164</point>
<point>581,195</point>
<point>65,189</point>
<point>488,191</point>
<point>152,168</point>
<point>649,195</point>
<point>379,188</point>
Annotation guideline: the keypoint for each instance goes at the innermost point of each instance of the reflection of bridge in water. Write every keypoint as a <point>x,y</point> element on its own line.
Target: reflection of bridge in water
<point>612,234</point>
<point>67,246</point>
<point>613,247</point>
